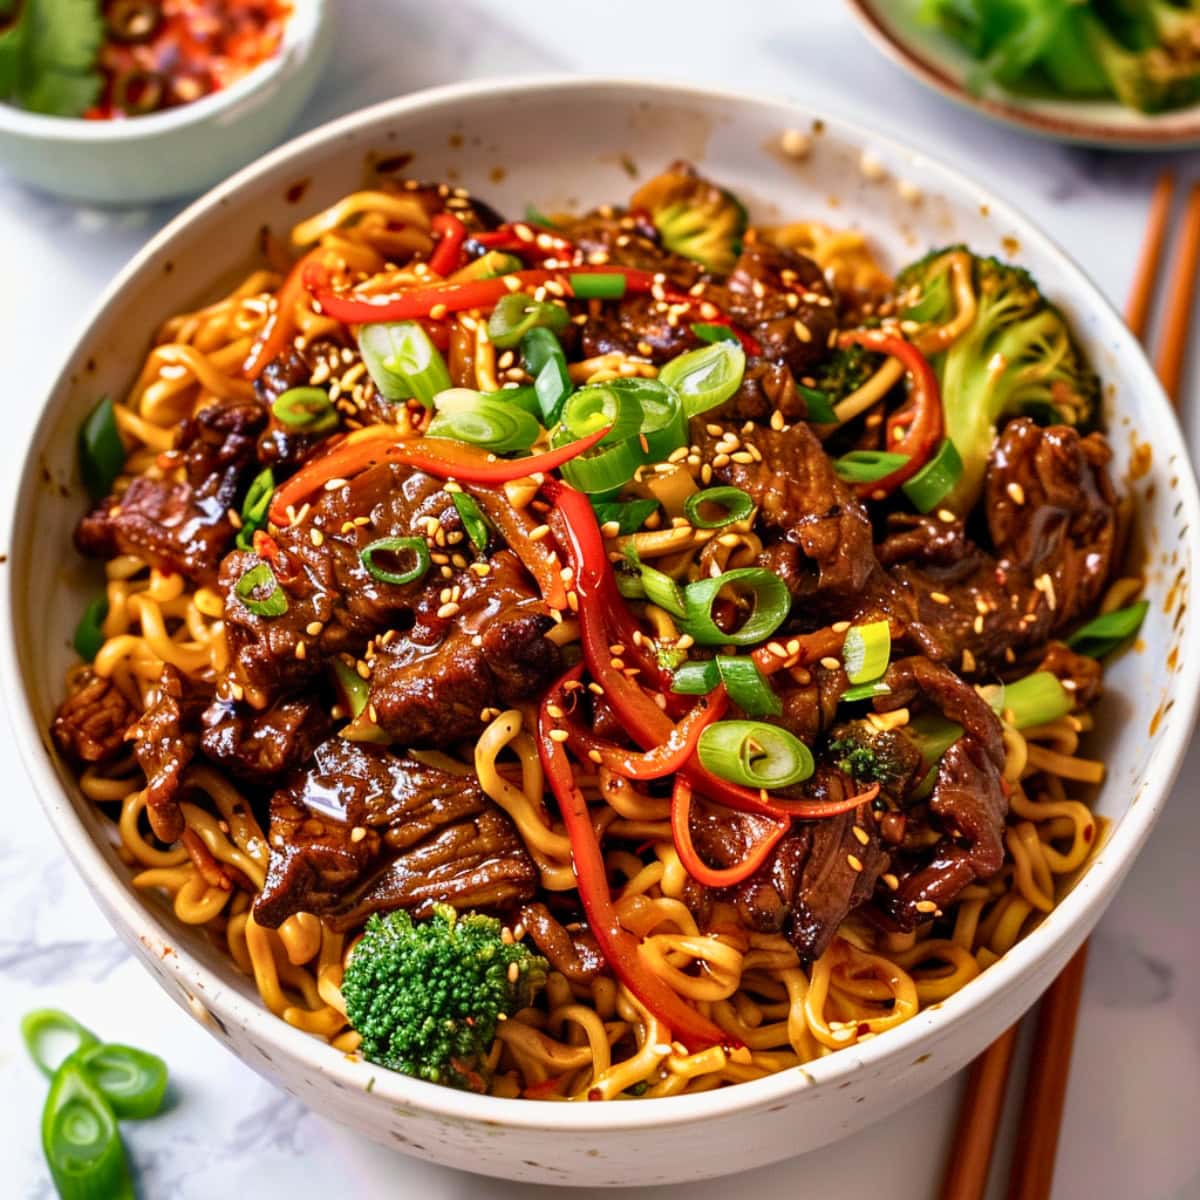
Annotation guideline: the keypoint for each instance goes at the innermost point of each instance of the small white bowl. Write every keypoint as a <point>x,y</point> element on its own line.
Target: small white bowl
<point>569,143</point>
<point>179,152</point>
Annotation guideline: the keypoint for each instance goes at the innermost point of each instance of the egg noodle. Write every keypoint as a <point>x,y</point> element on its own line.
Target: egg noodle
<point>581,1039</point>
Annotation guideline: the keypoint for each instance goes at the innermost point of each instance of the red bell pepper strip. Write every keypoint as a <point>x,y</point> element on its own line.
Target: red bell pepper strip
<point>452,233</point>
<point>694,865</point>
<point>515,526</point>
<point>440,457</point>
<point>525,239</point>
<point>916,428</point>
<point>666,758</point>
<point>282,324</point>
<point>617,944</point>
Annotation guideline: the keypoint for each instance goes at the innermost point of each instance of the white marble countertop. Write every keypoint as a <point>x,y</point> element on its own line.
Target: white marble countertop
<point>1134,1097</point>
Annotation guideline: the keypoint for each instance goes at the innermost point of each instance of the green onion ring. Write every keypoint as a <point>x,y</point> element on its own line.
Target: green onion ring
<point>754,754</point>
<point>250,587</point>
<point>737,504</point>
<point>866,651</point>
<point>772,603</point>
<point>306,410</point>
<point>706,377</point>
<point>415,546</point>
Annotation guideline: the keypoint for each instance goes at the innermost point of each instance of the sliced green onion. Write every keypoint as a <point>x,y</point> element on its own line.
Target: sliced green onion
<point>818,408</point>
<point>737,505</point>
<point>259,590</point>
<point>696,678</point>
<point>936,479</point>
<point>754,754</point>
<point>466,416</point>
<point>602,285</point>
<point>89,633</point>
<point>598,406</point>
<point>1107,633</point>
<point>630,515</point>
<point>772,603</point>
<point>866,651</point>
<point>543,358</point>
<point>517,313</point>
<point>600,472</point>
<point>101,451</point>
<point>524,398</point>
<point>533,217</point>
<point>866,691</point>
<point>706,377</point>
<point>867,466</point>
<point>352,688</point>
<point>402,361</point>
<point>306,410</point>
<point>472,518</point>
<point>747,687</point>
<point>254,507</point>
<point>397,547</point>
<point>131,1080</point>
<point>713,333</point>
<point>487,266</point>
<point>81,1141</point>
<point>40,1026</point>
<point>664,422</point>
<point>657,587</point>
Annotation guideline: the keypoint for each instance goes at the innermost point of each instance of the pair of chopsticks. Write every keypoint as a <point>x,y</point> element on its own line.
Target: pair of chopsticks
<point>1031,1174</point>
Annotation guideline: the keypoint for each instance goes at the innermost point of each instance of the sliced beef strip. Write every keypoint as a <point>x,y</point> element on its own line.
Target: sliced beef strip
<point>429,686</point>
<point>767,387</point>
<point>638,326</point>
<point>924,540</point>
<point>259,746</point>
<point>182,525</point>
<point>164,749</point>
<point>574,954</point>
<point>90,723</point>
<point>325,581</point>
<point>798,494</point>
<point>363,830</point>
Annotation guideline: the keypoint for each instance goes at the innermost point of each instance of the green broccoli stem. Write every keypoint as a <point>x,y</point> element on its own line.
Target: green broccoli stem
<point>1034,700</point>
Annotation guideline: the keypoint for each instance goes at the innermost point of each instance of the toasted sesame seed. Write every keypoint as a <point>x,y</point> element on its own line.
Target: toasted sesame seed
<point>713,429</point>
<point>855,862</point>
<point>802,331</point>
<point>939,597</point>
<point>830,663</point>
<point>536,534</point>
<point>301,650</point>
<point>861,834</point>
<point>1016,493</point>
<point>891,880</point>
<point>925,906</point>
<point>946,516</point>
<point>447,611</point>
<point>558,735</point>
<point>840,626</point>
<point>357,833</point>
<point>968,662</point>
<point>313,628</point>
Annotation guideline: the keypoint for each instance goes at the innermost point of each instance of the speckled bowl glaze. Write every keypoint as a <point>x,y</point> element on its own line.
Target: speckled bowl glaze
<point>492,137</point>
<point>179,152</point>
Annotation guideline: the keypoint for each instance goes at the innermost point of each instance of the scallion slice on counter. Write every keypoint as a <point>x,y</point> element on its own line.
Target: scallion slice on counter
<point>597,285</point>
<point>45,1025</point>
<point>131,1080</point>
<point>936,479</point>
<point>466,416</point>
<point>706,377</point>
<point>630,515</point>
<point>543,358</point>
<point>472,518</point>
<point>713,333</point>
<point>101,451</point>
<point>772,603</point>
<point>1110,631</point>
<point>403,362</point>
<point>89,633</point>
<point>736,503</point>
<point>867,466</point>
<point>517,313</point>
<point>398,549</point>
<point>306,410</point>
<point>258,589</point>
<point>254,507</point>
<point>754,754</point>
<point>866,651</point>
<point>81,1141</point>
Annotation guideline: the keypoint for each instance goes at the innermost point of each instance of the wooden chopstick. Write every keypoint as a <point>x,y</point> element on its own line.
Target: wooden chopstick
<point>1045,1093</point>
<point>1032,1173</point>
<point>1180,296</point>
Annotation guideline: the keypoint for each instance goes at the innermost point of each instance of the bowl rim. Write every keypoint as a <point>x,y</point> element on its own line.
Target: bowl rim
<point>1176,129</point>
<point>1072,917</point>
<point>300,37</point>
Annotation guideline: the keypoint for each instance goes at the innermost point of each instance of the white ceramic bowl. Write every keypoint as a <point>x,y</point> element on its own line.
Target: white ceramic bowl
<point>925,53</point>
<point>179,152</point>
<point>566,143</point>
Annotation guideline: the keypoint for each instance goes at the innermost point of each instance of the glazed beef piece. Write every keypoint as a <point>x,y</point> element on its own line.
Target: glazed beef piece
<point>364,830</point>
<point>1083,677</point>
<point>429,686</point>
<point>923,540</point>
<point>1052,512</point>
<point>327,587</point>
<point>826,548</point>
<point>90,724</point>
<point>183,525</point>
<point>280,447</point>
<point>573,953</point>
<point>163,751</point>
<point>259,746</point>
<point>628,240</point>
<point>638,326</point>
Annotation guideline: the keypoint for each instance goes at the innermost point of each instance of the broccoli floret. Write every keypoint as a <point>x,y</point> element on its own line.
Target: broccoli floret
<point>694,218</point>
<point>845,370</point>
<point>1151,53</point>
<point>870,755</point>
<point>1017,356</point>
<point>426,996</point>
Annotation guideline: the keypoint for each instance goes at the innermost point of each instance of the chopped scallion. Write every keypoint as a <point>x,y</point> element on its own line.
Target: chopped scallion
<point>754,754</point>
<point>706,377</point>
<point>867,466</point>
<point>1108,632</point>
<point>866,651</point>
<point>306,410</point>
<point>258,589</point>
<point>101,452</point>
<point>736,503</point>
<point>398,548</point>
<point>403,361</point>
<point>89,633</point>
<point>472,518</point>
<point>517,313</point>
<point>772,603</point>
<point>936,479</point>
